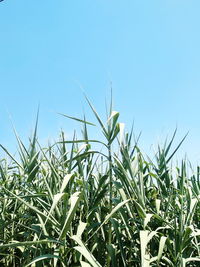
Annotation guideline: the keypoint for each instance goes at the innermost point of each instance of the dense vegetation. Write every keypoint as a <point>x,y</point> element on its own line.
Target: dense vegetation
<point>71,205</point>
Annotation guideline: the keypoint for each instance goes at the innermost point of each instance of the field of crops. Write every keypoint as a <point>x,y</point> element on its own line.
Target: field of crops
<point>85,202</point>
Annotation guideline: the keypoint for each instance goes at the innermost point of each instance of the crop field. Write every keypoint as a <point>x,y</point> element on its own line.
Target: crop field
<point>86,202</point>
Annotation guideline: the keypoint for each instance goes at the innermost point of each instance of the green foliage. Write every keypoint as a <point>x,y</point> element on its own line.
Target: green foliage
<point>70,205</point>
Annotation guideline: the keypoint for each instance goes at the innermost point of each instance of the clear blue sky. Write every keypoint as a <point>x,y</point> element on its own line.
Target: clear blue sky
<point>150,50</point>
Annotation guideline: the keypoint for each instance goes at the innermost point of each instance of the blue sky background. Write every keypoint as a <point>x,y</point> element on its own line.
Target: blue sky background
<point>149,50</point>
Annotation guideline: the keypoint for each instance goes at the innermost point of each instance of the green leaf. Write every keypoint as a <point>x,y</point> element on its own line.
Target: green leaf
<point>140,210</point>
<point>41,258</point>
<point>85,264</point>
<point>84,251</point>
<point>76,119</point>
<point>112,253</point>
<point>29,243</point>
<point>75,199</point>
<point>110,215</point>
<point>98,119</point>
<point>56,199</point>
<point>161,247</point>
<point>65,182</point>
<point>81,228</point>
<point>147,219</point>
<point>143,245</point>
<point>36,210</point>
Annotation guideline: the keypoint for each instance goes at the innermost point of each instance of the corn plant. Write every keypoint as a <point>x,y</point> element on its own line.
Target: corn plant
<point>75,204</point>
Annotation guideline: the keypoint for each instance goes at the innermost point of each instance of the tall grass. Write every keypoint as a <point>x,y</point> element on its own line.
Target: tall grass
<point>68,204</point>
